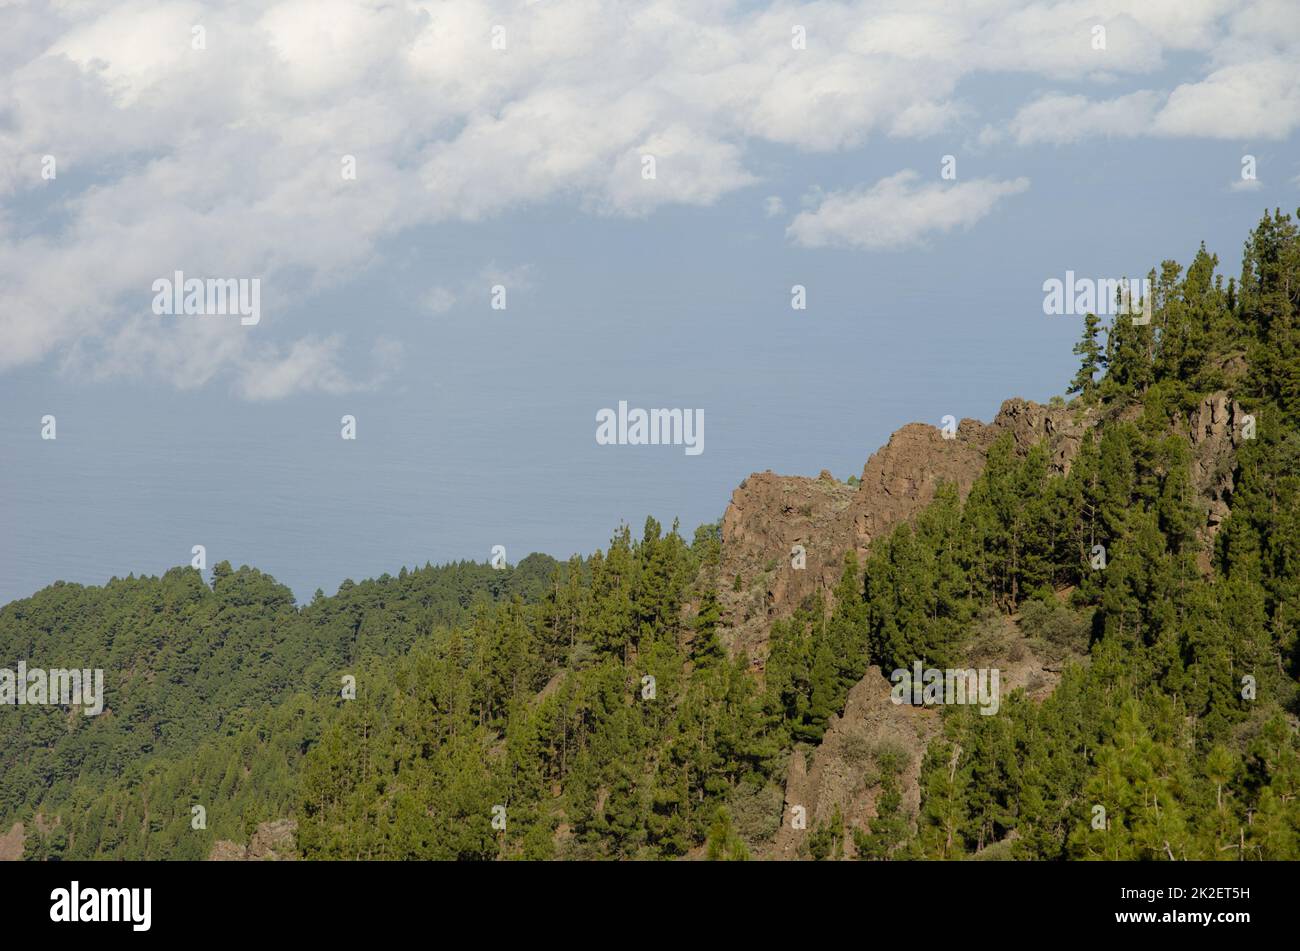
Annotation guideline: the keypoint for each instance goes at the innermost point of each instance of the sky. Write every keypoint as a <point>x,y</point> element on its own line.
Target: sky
<point>389,171</point>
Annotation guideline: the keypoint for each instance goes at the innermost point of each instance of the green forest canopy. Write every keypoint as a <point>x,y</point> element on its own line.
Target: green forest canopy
<point>526,688</point>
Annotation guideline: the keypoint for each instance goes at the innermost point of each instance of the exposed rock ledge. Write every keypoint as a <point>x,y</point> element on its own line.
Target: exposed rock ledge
<point>273,841</point>
<point>769,514</point>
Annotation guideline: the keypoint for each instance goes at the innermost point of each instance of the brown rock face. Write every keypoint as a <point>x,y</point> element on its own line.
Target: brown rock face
<point>1216,430</point>
<point>839,772</point>
<point>785,538</point>
<point>769,514</point>
<point>273,841</point>
<point>11,844</point>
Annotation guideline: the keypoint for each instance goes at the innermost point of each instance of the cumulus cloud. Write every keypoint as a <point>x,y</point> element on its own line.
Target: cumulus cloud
<point>439,300</point>
<point>1247,100</point>
<point>1250,89</point>
<point>898,212</point>
<point>224,161</point>
<point>312,365</point>
<point>1256,100</point>
<point>478,289</point>
<point>1061,120</point>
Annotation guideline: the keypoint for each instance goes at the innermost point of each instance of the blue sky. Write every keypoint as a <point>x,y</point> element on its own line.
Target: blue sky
<point>476,426</point>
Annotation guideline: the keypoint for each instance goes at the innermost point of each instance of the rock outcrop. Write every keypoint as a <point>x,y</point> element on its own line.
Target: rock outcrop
<point>271,842</point>
<point>839,771</point>
<point>770,514</point>
<point>1216,428</point>
<point>11,844</point>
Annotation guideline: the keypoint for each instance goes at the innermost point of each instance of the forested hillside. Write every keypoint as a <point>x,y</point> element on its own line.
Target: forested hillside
<point>599,708</point>
<point>212,693</point>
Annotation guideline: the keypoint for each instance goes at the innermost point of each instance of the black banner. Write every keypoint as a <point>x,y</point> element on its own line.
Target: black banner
<point>1218,902</point>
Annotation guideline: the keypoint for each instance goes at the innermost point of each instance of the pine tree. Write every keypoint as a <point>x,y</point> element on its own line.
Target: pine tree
<point>724,845</point>
<point>889,825</point>
<point>1092,358</point>
<point>706,648</point>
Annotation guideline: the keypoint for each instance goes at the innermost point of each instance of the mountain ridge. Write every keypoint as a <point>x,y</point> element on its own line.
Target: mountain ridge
<point>1128,560</point>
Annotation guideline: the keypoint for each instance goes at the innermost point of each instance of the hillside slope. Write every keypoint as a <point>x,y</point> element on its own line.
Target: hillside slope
<point>1127,563</point>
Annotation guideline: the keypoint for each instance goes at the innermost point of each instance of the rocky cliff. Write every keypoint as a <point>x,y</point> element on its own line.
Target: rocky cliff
<point>270,842</point>
<point>1216,429</point>
<point>770,514</point>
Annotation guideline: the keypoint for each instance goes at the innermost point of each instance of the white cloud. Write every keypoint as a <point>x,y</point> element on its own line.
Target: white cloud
<point>225,161</point>
<point>519,278</point>
<point>1248,100</point>
<point>439,300</point>
<point>1250,89</point>
<point>1061,120</point>
<point>773,206</point>
<point>923,119</point>
<point>311,365</point>
<point>898,212</point>
<point>478,289</point>
<point>1259,100</point>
